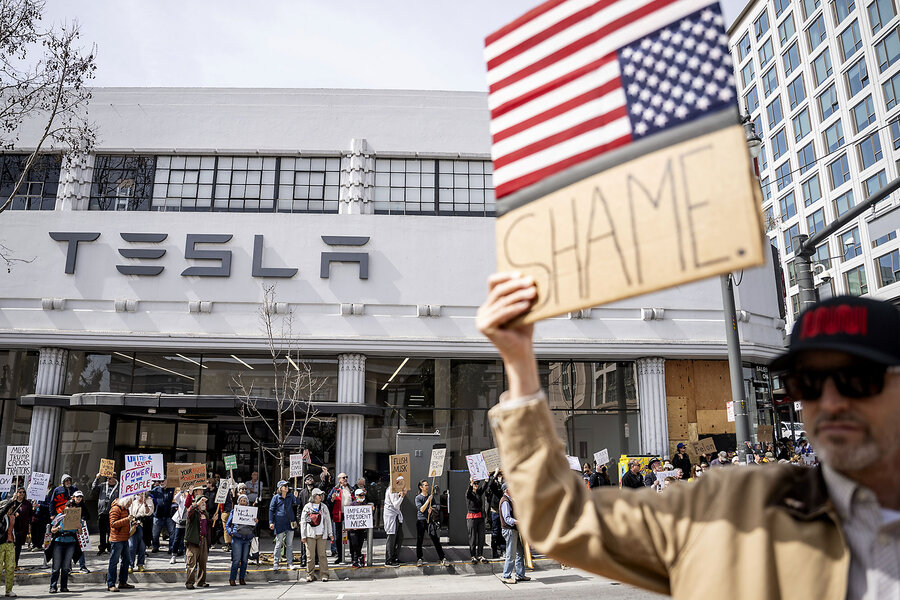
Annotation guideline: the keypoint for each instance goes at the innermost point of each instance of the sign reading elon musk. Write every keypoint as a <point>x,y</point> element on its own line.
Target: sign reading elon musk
<point>213,263</point>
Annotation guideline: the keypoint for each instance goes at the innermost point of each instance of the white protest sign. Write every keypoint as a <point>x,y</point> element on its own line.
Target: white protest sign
<point>222,492</point>
<point>358,517</point>
<point>809,459</point>
<point>37,485</point>
<point>477,467</point>
<point>798,406</point>
<point>84,538</point>
<point>436,466</point>
<point>601,457</point>
<point>296,465</point>
<point>6,483</point>
<point>574,463</point>
<point>135,481</point>
<point>729,411</point>
<point>154,461</point>
<point>244,515</point>
<point>661,475</point>
<point>491,459</point>
<point>18,460</point>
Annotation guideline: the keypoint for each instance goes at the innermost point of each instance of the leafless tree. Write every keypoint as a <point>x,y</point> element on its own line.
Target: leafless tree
<point>286,409</point>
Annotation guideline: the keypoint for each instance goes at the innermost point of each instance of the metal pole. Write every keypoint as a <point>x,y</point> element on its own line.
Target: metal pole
<point>370,559</point>
<point>736,369</point>
<point>803,267</point>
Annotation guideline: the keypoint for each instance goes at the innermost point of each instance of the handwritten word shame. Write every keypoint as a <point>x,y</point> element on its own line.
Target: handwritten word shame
<point>666,218</point>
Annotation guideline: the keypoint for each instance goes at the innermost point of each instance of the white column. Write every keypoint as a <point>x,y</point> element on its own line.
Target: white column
<point>351,428</point>
<point>44,438</point>
<point>651,388</point>
<point>357,193</point>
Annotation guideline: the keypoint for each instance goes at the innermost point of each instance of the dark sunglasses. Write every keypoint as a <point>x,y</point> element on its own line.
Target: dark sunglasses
<point>855,381</point>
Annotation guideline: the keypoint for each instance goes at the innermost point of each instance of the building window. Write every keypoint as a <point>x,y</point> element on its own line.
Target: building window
<point>766,188</point>
<point>309,184</point>
<point>765,53</point>
<point>411,186</point>
<point>806,158</point>
<point>892,235</point>
<point>788,206</point>
<point>770,81</point>
<point>774,114</point>
<point>851,41</point>
<point>796,92</point>
<point>783,175</point>
<point>874,183</point>
<point>801,124</point>
<point>857,78</point>
<point>822,256</point>
<point>822,67</point>
<point>809,6</point>
<point>828,102</point>
<point>792,272</point>
<point>815,222</point>
<point>795,306</point>
<point>790,235</point>
<point>791,59</point>
<point>842,9</point>
<point>751,100</point>
<point>815,33</point>
<point>786,29</point>
<point>856,281</point>
<point>183,183</point>
<point>38,190</point>
<point>763,161</point>
<point>122,182</point>
<point>744,47</point>
<point>834,136</point>
<point>246,183</point>
<point>863,114</point>
<point>839,171</point>
<point>880,12</point>
<point>812,191</point>
<point>851,244</point>
<point>843,203</point>
<point>887,50</point>
<point>761,24</point>
<point>869,151</point>
<point>888,268</point>
<point>895,133</point>
<point>769,219</point>
<point>891,89</point>
<point>747,74</point>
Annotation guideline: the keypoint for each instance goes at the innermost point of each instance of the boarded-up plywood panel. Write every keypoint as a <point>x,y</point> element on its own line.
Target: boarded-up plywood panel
<point>680,382</point>
<point>676,409</point>
<point>711,422</point>
<point>712,386</point>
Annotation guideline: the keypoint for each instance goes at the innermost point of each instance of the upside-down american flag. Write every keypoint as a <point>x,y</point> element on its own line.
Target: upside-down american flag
<point>573,80</point>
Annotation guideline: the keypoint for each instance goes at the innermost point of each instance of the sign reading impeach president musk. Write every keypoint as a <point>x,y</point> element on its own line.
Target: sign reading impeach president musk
<point>620,163</point>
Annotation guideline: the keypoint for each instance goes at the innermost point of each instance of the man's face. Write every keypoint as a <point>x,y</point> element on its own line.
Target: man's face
<point>656,467</point>
<point>254,475</point>
<point>635,468</point>
<point>851,433</point>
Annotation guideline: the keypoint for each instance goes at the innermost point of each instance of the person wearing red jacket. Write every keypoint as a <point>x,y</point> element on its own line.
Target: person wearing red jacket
<point>340,496</point>
<point>62,494</point>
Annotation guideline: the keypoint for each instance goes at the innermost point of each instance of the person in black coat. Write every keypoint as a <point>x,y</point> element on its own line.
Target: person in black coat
<point>475,516</point>
<point>633,479</point>
<point>682,461</point>
<point>494,494</point>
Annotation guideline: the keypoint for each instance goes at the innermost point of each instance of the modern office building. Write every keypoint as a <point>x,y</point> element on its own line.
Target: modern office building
<point>821,82</point>
<point>134,322</point>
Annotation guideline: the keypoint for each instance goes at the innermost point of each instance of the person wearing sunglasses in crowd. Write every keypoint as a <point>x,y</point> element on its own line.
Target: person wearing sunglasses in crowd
<point>830,532</point>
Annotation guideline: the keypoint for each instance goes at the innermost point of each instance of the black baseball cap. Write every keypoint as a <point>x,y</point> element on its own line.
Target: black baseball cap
<point>862,327</point>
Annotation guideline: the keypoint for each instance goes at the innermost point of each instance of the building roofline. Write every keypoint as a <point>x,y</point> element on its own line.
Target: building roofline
<point>740,17</point>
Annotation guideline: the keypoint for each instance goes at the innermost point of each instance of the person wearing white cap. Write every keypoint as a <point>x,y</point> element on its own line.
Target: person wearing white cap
<point>315,531</point>
<point>281,519</point>
<point>355,536</point>
<point>241,536</point>
<point>78,502</point>
<point>393,519</point>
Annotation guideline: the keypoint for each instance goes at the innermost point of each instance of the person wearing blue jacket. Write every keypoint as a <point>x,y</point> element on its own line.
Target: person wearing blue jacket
<point>241,536</point>
<point>281,517</point>
<point>162,514</point>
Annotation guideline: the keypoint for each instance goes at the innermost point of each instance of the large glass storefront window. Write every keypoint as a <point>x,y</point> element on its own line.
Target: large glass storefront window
<point>83,441</point>
<point>227,374</point>
<point>18,376</point>
<point>98,372</point>
<point>169,373</point>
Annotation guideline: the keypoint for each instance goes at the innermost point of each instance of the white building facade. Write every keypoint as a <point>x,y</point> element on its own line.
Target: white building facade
<point>136,314</point>
<point>821,82</point>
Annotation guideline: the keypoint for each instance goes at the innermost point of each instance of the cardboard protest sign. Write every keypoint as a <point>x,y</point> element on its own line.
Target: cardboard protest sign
<point>173,474</point>
<point>18,460</point>
<point>491,459</point>
<point>72,519</point>
<point>137,480</point>
<point>244,515</point>
<point>230,462</point>
<point>154,461</point>
<point>358,517</point>
<point>37,485</point>
<point>661,475</point>
<point>222,491</point>
<point>574,463</point>
<point>84,538</point>
<point>107,467</point>
<point>601,457</point>
<point>296,465</point>
<point>704,446</point>
<point>436,465</point>
<point>6,483</point>
<point>477,467</point>
<point>765,433</point>
<point>643,183</point>
<point>399,467</point>
<point>190,475</point>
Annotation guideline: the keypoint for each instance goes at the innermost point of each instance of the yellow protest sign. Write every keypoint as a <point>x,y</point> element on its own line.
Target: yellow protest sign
<point>107,467</point>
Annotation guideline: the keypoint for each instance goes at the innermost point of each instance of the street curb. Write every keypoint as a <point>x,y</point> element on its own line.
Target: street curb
<point>267,576</point>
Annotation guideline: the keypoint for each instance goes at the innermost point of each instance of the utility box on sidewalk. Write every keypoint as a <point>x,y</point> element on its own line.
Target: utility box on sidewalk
<point>458,484</point>
<point>418,446</point>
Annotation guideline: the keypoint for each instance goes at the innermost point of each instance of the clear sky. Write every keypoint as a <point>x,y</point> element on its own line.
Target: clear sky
<point>415,44</point>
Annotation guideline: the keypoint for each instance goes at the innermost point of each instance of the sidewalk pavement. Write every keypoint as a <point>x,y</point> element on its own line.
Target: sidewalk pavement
<point>159,569</point>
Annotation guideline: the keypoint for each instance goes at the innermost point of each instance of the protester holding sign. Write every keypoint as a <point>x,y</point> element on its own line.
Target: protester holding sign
<point>78,502</point>
<point>197,538</point>
<point>61,495</point>
<point>393,519</point>
<point>106,493</point>
<point>64,542</point>
<point>428,519</point>
<point>475,516</point>
<point>356,530</point>
<point>650,479</point>
<point>140,508</point>
<point>315,531</point>
<point>22,512</point>
<point>179,520</point>
<point>241,536</point>
<point>339,497</point>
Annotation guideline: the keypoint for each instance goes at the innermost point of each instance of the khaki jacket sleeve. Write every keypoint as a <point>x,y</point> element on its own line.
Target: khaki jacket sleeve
<point>633,536</point>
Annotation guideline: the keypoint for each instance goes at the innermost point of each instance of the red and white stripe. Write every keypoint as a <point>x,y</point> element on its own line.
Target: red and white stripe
<point>555,94</point>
